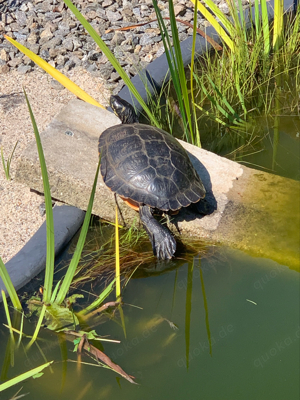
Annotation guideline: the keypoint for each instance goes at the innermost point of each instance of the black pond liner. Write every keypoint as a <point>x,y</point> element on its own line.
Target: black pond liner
<point>30,260</point>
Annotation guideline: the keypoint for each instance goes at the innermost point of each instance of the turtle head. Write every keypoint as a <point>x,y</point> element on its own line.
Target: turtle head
<point>123,110</point>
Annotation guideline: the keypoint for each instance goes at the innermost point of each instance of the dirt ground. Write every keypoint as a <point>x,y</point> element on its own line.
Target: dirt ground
<point>19,207</point>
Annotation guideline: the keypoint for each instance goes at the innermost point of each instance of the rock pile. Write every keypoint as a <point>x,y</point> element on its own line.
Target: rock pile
<point>49,29</point>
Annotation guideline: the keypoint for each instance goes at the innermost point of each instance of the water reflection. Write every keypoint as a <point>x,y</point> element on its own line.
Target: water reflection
<point>237,336</point>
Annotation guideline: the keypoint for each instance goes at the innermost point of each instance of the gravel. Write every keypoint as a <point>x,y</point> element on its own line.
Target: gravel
<point>20,214</point>
<point>49,29</point>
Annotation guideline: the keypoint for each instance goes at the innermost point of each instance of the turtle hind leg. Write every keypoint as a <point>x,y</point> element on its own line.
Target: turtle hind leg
<point>163,242</point>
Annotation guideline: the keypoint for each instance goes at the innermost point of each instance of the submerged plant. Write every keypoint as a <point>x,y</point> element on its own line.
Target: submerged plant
<point>33,373</point>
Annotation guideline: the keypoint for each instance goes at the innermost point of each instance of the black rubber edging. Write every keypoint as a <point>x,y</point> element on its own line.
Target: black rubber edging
<point>156,74</point>
<point>31,259</point>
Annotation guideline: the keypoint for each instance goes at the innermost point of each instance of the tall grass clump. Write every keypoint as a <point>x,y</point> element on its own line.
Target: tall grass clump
<point>260,65</point>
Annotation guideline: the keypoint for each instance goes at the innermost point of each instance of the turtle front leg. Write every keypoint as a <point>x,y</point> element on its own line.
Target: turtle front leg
<point>163,242</point>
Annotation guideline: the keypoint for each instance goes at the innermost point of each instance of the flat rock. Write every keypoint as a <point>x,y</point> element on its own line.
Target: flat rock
<point>256,211</point>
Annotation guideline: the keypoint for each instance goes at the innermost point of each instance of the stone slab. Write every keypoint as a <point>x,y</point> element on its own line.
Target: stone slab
<point>256,211</point>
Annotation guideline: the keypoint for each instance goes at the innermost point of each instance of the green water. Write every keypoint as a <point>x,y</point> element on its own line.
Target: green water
<point>251,320</point>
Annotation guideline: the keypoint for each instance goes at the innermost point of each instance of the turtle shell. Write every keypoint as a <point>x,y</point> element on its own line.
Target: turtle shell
<point>149,166</point>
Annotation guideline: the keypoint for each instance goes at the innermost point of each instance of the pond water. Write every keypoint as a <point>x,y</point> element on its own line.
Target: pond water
<point>237,338</point>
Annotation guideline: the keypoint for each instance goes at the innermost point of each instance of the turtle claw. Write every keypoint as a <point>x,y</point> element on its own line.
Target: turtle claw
<point>163,242</point>
<point>165,249</point>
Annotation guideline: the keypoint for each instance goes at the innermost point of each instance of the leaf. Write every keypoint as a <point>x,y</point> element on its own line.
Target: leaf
<point>38,375</point>
<point>61,78</point>
<point>99,355</point>
<point>112,59</point>
<point>60,318</point>
<point>72,299</point>
<point>221,32</point>
<point>9,286</point>
<point>50,256</point>
<point>65,286</point>
<point>24,376</point>
<point>106,292</point>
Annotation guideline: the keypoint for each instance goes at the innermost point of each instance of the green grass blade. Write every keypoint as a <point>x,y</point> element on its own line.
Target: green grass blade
<point>242,21</point>
<point>220,31</point>
<point>38,327</point>
<point>9,286</point>
<point>278,24</point>
<point>181,72</point>
<point>54,293</point>
<point>265,27</point>
<point>172,64</point>
<point>112,59</point>
<point>23,377</point>
<point>197,138</point>
<point>65,286</point>
<point>106,292</point>
<point>7,315</point>
<point>211,116</point>
<point>224,101</point>
<point>188,311</point>
<point>257,19</point>
<point>4,165</point>
<point>217,105</point>
<point>241,97</point>
<point>206,310</point>
<point>222,17</point>
<point>122,320</point>
<point>21,330</point>
<point>49,272</point>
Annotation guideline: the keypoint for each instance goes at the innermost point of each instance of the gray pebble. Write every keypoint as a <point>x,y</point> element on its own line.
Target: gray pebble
<point>56,85</point>
<point>49,29</point>
<point>23,69</point>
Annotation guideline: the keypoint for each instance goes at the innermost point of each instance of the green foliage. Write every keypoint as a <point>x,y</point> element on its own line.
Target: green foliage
<point>6,164</point>
<point>49,214</point>
<point>77,254</point>
<point>237,86</point>
<point>176,67</point>
<point>9,286</point>
<point>33,373</point>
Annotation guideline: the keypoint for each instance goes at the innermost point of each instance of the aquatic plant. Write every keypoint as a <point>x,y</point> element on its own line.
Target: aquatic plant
<point>33,373</point>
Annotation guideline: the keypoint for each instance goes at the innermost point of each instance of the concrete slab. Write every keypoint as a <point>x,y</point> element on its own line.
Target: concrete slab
<point>256,212</point>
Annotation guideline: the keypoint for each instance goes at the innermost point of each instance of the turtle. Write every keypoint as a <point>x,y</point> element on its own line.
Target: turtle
<point>151,171</point>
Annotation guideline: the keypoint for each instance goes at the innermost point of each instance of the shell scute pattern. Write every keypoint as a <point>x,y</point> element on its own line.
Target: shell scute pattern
<point>134,164</point>
<point>150,133</point>
<point>142,179</point>
<point>182,199</point>
<point>164,168</point>
<point>149,166</point>
<point>128,145</point>
<point>157,149</point>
